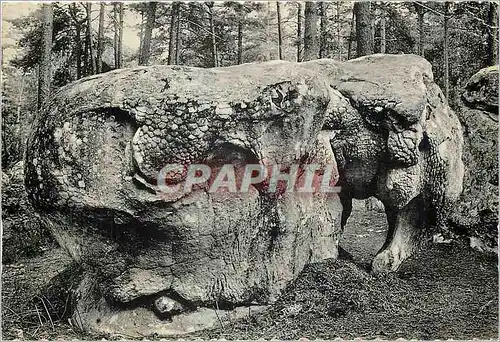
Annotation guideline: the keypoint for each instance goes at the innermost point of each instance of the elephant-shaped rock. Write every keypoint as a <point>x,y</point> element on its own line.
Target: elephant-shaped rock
<point>166,262</point>
<point>476,215</point>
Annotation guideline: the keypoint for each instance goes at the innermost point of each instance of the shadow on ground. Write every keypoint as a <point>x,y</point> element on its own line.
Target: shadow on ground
<point>446,291</point>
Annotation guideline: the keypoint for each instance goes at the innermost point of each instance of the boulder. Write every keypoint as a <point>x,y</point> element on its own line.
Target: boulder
<point>476,216</point>
<point>166,263</point>
<point>23,235</point>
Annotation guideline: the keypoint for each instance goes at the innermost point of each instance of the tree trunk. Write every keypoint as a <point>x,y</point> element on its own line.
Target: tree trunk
<point>446,51</point>
<point>100,37</point>
<point>210,6</point>
<point>148,32</point>
<point>86,60</point>
<point>373,15</point>
<point>322,30</point>
<point>382,34</point>
<point>92,62</point>
<point>299,31</point>
<point>493,34</point>
<point>351,37</point>
<point>177,39</point>
<point>172,37</point>
<point>20,99</point>
<point>280,39</point>
<point>78,47</point>
<point>44,75</point>
<point>116,39</point>
<point>339,46</point>
<point>240,33</point>
<point>141,35</point>
<point>420,13</point>
<point>310,31</point>
<point>364,41</point>
<point>120,36</point>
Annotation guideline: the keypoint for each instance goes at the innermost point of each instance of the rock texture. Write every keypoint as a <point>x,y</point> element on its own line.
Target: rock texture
<point>397,140</point>
<point>92,166</point>
<point>476,216</point>
<point>166,264</point>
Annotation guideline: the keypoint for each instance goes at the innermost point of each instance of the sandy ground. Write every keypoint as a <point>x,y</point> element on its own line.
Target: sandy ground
<point>446,291</point>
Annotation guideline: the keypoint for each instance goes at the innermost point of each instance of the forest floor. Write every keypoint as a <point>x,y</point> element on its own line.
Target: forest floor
<point>446,291</point>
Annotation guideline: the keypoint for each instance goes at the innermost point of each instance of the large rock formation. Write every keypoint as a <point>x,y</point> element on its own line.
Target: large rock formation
<point>397,140</point>
<point>476,216</point>
<point>165,262</point>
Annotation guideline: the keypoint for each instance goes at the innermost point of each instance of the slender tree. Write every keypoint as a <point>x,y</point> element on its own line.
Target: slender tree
<point>141,33</point>
<point>210,6</point>
<point>86,48</point>
<point>420,20</point>
<point>322,29</point>
<point>120,34</point>
<point>72,9</point>
<point>310,31</point>
<point>446,50</point>
<point>280,38</point>
<point>241,13</point>
<point>373,15</point>
<point>44,73</point>
<point>100,37</point>
<point>148,32</point>
<point>299,31</point>
<point>382,33</point>
<point>339,46</point>
<point>172,38</point>
<point>493,33</point>
<point>177,37</point>
<point>364,39</point>
<point>352,37</point>
<point>116,39</point>
<point>90,53</point>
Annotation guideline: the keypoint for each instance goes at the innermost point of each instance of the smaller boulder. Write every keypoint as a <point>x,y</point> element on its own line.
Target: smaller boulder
<point>481,91</point>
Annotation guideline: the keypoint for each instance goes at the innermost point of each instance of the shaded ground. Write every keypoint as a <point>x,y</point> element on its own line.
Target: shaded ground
<point>446,291</point>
